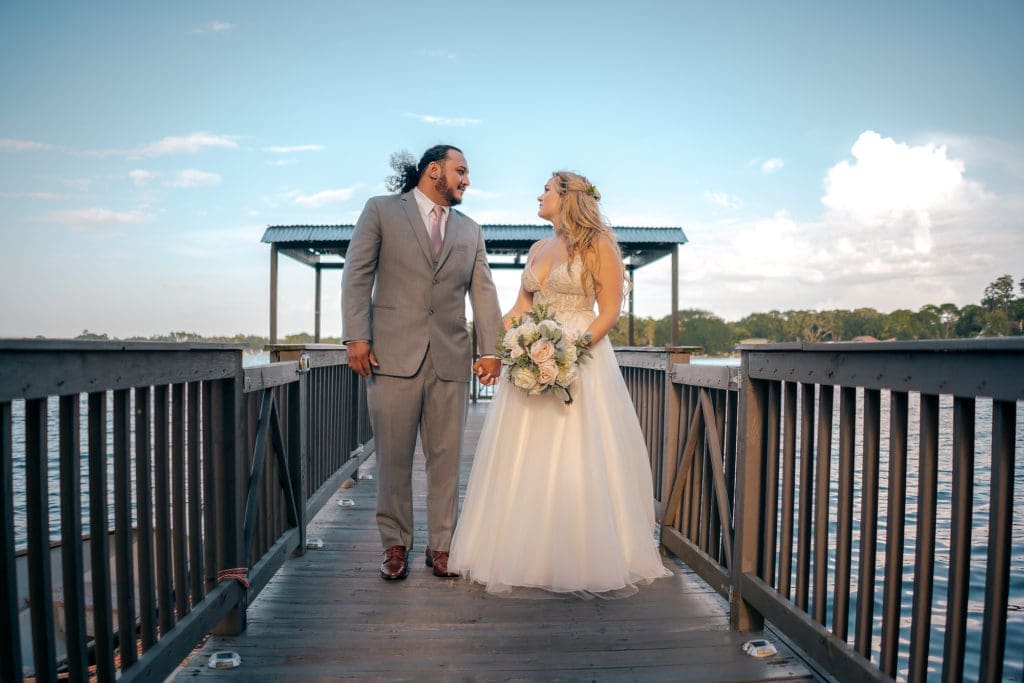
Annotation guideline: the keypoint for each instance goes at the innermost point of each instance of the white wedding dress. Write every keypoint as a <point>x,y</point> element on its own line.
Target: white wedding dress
<point>560,496</point>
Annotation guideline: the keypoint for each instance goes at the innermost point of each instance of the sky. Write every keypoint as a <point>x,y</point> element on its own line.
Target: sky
<point>817,154</point>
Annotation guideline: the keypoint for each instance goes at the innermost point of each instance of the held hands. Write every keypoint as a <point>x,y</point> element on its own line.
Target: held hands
<point>361,357</point>
<point>488,370</point>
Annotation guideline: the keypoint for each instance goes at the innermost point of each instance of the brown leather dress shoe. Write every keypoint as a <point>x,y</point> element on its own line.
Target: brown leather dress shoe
<point>396,563</point>
<point>438,559</point>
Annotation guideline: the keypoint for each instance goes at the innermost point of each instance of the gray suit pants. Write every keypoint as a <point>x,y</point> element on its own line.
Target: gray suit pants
<point>399,406</point>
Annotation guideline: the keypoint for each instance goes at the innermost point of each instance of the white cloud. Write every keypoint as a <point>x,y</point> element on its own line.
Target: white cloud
<point>723,199</point>
<point>473,193</point>
<point>903,225</point>
<point>194,178</point>
<point>81,219</point>
<point>294,148</point>
<point>44,196</point>
<point>442,120</point>
<point>772,165</point>
<point>439,54</point>
<point>283,162</point>
<point>140,177</point>
<point>191,143</point>
<point>319,199</point>
<point>215,27</point>
<point>893,193</point>
<point>22,145</point>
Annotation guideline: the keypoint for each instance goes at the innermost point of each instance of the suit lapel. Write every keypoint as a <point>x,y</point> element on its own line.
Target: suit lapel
<point>419,231</point>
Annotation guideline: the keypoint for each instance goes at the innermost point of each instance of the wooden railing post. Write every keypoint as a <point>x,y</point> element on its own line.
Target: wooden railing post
<point>749,471</point>
<point>671,422</point>
<point>231,485</point>
<point>298,438</point>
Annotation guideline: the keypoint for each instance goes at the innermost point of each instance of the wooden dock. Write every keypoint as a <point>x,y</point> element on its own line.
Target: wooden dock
<point>328,616</point>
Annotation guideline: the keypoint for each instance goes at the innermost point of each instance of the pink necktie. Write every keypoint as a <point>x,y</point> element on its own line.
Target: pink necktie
<point>435,229</point>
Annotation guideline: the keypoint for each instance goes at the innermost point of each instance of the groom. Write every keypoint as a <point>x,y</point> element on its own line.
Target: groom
<point>411,261</point>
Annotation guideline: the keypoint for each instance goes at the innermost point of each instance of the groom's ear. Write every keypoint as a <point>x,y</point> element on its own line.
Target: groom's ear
<point>434,170</point>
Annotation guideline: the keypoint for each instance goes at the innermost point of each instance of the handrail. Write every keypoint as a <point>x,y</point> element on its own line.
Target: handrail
<point>776,456</point>
<point>217,478</point>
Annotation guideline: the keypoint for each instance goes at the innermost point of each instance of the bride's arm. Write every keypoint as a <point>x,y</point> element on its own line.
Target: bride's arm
<point>524,302</point>
<point>608,277</point>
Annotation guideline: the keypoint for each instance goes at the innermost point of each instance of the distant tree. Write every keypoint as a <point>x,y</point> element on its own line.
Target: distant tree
<point>808,326</point>
<point>971,322</point>
<point>997,323</point>
<point>770,326</point>
<point>903,324</point>
<point>929,318</point>
<point>999,294</point>
<point>649,332</point>
<point>949,314</point>
<point>92,336</point>
<point>863,322</point>
<point>702,328</point>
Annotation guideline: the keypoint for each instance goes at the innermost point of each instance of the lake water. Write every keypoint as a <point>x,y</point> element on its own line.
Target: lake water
<point>1014,665</point>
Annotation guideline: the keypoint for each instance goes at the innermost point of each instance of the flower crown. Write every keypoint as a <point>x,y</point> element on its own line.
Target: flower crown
<point>592,191</point>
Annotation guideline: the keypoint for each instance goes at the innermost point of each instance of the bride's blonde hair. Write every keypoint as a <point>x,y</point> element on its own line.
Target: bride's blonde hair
<point>580,222</point>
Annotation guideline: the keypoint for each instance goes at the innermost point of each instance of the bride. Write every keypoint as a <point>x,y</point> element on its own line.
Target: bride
<point>560,495</point>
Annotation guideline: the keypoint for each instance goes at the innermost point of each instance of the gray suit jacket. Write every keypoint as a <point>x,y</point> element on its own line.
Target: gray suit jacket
<point>395,295</point>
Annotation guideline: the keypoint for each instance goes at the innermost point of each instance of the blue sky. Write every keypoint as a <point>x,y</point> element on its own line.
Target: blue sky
<point>817,154</point>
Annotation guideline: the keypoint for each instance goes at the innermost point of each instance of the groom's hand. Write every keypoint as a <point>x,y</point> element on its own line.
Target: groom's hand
<point>361,357</point>
<point>488,370</point>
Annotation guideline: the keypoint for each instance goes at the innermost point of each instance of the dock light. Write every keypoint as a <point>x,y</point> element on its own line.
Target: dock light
<point>225,659</point>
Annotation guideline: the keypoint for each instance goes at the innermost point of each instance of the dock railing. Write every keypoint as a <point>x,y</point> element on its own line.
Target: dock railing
<point>208,471</point>
<point>762,479</point>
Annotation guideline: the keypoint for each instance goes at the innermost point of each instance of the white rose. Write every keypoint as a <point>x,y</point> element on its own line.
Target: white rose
<point>524,378</point>
<point>568,375</point>
<point>529,332</point>
<point>511,339</point>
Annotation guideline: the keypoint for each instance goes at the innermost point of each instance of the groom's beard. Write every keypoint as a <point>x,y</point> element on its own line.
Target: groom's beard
<point>445,191</point>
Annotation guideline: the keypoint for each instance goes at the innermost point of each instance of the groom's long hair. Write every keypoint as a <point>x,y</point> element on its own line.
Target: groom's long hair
<point>408,172</point>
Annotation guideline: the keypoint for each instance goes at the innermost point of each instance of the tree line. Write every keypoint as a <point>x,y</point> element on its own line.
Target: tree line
<point>999,313</point>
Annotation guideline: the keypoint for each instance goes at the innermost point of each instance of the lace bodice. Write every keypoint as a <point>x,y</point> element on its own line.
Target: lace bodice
<point>563,291</point>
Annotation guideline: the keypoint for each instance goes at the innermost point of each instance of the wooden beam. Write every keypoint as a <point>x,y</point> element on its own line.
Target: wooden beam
<point>273,293</point>
<point>674,336</point>
<point>316,315</point>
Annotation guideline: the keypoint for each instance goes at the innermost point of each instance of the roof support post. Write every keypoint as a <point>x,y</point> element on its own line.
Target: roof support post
<point>316,323</point>
<point>674,336</point>
<point>632,288</point>
<point>273,293</point>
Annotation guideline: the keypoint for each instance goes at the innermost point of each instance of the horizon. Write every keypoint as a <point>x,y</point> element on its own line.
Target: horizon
<point>817,156</point>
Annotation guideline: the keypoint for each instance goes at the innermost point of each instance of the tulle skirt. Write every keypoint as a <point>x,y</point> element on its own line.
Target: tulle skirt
<point>560,496</point>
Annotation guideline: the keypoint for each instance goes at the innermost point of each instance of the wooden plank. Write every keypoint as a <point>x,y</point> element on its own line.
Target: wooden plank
<point>10,638</point>
<point>50,370</point>
<point>812,637</point>
<point>44,647</point>
<point>967,371</point>
<point>326,614</point>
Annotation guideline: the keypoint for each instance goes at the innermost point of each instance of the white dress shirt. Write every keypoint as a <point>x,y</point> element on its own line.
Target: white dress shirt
<point>426,205</point>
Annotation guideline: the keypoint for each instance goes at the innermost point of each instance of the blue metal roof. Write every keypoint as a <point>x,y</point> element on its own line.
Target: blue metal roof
<point>630,237</point>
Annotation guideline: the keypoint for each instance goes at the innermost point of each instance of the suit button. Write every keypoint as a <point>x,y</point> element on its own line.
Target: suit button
<point>431,311</point>
<point>436,280</point>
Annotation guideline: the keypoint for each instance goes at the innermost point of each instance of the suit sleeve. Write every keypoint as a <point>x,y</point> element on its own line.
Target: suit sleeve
<point>358,274</point>
<point>483,297</point>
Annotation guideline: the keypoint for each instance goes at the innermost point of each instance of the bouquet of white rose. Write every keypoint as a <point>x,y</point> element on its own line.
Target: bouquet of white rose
<point>540,355</point>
